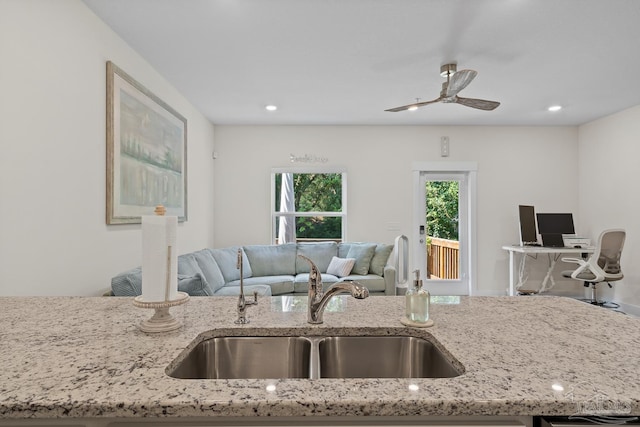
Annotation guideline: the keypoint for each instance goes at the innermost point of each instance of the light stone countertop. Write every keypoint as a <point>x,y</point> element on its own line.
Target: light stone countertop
<point>85,357</point>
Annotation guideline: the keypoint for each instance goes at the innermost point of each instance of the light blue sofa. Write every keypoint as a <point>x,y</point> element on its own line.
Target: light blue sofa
<point>271,269</point>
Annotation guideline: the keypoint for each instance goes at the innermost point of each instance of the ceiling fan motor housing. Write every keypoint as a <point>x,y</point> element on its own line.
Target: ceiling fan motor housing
<point>448,69</point>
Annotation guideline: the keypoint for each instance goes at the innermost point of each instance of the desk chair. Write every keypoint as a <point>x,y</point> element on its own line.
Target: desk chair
<point>602,266</point>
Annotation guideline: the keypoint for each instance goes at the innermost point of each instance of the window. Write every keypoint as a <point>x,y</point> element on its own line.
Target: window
<point>308,205</point>
<point>444,218</point>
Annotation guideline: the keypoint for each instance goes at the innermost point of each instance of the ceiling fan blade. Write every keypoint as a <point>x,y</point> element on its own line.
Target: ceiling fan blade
<point>459,81</point>
<point>480,104</point>
<point>415,104</point>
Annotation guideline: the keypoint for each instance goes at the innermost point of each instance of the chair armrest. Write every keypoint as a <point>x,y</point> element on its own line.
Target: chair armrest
<point>585,266</point>
<point>389,280</point>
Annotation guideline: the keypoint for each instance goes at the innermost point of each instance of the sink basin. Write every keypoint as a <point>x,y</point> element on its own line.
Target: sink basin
<point>247,357</point>
<point>382,357</point>
<point>314,357</point>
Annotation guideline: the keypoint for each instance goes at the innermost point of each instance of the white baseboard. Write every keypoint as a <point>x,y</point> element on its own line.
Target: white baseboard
<point>630,309</point>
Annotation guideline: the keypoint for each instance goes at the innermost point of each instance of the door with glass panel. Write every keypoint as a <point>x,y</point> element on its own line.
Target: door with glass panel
<point>444,231</point>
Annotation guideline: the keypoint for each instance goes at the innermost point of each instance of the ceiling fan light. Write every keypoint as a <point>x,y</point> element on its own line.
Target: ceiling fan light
<point>413,108</point>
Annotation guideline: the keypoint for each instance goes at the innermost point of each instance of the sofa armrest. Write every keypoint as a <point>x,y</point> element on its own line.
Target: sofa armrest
<point>389,280</point>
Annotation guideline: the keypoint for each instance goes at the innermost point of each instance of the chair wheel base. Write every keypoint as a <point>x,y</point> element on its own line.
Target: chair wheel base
<point>605,304</point>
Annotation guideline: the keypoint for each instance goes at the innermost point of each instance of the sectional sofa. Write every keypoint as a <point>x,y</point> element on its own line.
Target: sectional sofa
<point>274,269</point>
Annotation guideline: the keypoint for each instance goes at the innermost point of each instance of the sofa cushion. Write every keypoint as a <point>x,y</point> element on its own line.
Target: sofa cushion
<point>271,260</point>
<point>363,253</point>
<point>227,260</point>
<point>191,276</point>
<point>380,258</point>
<point>343,249</point>
<point>263,290</point>
<point>340,267</point>
<point>129,283</point>
<point>196,285</point>
<point>279,284</point>
<point>209,268</point>
<point>320,253</point>
<point>187,265</point>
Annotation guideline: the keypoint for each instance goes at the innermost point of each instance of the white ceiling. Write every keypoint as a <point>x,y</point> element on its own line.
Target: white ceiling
<point>346,61</point>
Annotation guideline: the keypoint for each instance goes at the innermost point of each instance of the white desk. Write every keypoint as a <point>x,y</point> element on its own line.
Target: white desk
<point>553,255</point>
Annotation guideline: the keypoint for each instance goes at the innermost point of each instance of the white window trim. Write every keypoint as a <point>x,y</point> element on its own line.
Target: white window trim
<point>470,169</point>
<point>310,169</point>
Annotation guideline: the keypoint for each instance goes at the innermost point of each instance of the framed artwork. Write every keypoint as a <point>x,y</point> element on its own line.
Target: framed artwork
<point>146,152</point>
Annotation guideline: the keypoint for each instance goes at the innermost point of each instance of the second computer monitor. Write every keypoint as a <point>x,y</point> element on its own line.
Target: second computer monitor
<point>552,226</point>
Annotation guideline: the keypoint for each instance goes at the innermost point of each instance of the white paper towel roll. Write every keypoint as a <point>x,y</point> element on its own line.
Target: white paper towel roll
<point>159,259</point>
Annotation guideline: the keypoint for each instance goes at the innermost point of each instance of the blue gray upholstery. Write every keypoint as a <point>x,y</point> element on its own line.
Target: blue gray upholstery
<point>320,253</point>
<point>268,260</point>
<point>227,260</point>
<point>209,268</point>
<point>363,254</point>
<point>271,269</point>
<point>380,258</point>
<point>129,283</point>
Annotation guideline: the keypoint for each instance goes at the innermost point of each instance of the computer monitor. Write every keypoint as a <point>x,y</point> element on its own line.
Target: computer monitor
<point>553,225</point>
<point>528,233</point>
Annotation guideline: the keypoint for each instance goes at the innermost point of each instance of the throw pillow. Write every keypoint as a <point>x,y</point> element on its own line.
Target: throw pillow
<point>363,253</point>
<point>210,270</point>
<point>188,266</point>
<point>340,267</point>
<point>380,258</point>
<point>128,283</point>
<point>195,285</point>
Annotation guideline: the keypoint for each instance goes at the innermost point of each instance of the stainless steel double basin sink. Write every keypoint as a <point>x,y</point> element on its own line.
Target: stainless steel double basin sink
<point>277,357</point>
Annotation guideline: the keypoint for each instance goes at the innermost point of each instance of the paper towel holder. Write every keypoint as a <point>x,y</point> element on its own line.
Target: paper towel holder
<point>162,320</point>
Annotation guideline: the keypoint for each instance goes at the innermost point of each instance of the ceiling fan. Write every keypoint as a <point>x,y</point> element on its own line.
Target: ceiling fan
<point>456,81</point>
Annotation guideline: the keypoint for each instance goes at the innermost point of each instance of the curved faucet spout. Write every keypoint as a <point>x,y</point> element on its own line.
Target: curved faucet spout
<point>318,299</point>
<point>316,308</point>
<point>315,277</point>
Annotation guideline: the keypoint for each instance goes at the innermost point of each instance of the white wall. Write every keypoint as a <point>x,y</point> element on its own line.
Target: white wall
<point>53,237</point>
<point>516,165</point>
<point>609,153</point>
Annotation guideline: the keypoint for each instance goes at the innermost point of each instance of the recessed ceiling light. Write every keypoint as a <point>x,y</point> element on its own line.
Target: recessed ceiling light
<point>271,108</point>
<point>555,108</point>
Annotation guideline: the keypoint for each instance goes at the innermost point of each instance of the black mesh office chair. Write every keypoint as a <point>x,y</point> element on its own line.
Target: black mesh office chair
<point>602,266</point>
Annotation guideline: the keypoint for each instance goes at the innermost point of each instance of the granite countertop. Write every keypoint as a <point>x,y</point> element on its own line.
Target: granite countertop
<point>85,357</point>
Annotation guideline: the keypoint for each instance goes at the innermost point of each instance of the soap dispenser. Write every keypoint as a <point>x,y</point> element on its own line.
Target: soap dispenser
<point>417,301</point>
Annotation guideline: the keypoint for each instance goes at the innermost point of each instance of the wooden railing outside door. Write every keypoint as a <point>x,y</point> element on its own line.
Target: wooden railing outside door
<point>443,258</point>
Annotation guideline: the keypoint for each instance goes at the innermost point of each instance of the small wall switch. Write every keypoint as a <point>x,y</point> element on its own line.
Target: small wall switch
<point>214,155</point>
<point>444,146</point>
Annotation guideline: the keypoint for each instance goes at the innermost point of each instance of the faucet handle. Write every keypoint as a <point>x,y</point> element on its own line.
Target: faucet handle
<point>255,298</point>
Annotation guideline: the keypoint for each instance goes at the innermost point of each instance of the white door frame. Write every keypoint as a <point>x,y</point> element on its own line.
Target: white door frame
<point>468,252</point>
